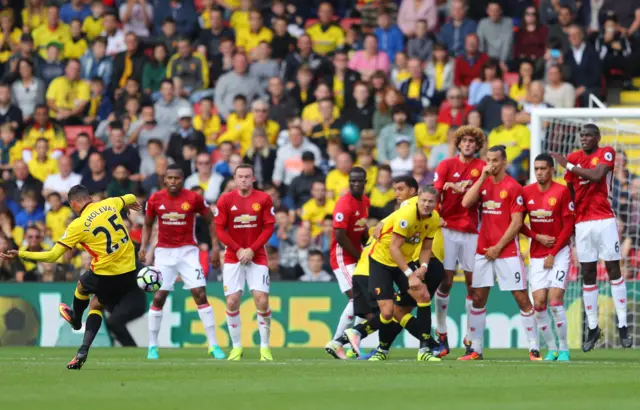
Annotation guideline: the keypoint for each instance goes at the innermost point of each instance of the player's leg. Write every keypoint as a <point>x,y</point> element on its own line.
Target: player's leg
<point>539,280</point>
<point>420,326</point>
<point>482,281</point>
<point>91,327</point>
<point>165,261</point>
<point>381,285</point>
<point>466,259</point>
<point>556,305</point>
<point>132,306</point>
<point>87,284</point>
<point>344,276</point>
<point>258,281</point>
<point>587,249</point>
<point>441,298</point>
<point>233,280</point>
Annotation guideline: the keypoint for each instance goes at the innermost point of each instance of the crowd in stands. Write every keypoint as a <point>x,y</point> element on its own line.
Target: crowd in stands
<point>108,93</point>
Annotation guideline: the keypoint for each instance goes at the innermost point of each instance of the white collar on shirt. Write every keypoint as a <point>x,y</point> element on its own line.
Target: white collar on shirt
<point>579,52</point>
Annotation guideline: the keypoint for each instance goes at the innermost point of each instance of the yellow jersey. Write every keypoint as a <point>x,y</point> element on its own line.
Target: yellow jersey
<point>239,20</point>
<point>516,139</point>
<point>311,113</point>
<point>68,94</point>
<point>43,36</point>
<point>33,20</point>
<point>380,199</point>
<point>426,140</point>
<point>315,213</point>
<point>30,265</point>
<point>41,170</point>
<point>407,222</point>
<point>248,40</point>
<point>362,267</point>
<point>437,246</point>
<point>244,136</point>
<point>12,42</point>
<point>57,221</point>
<point>326,40</point>
<point>52,133</point>
<point>207,127</point>
<point>234,122</point>
<point>75,49</point>
<point>337,182</point>
<point>92,27</point>
<point>101,231</point>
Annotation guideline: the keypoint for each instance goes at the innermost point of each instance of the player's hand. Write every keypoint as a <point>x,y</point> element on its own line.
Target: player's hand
<point>486,170</point>
<point>248,256</point>
<point>135,207</point>
<point>420,273</point>
<point>546,241</point>
<point>454,187</point>
<point>142,255</point>
<point>9,255</point>
<point>560,159</point>
<point>239,255</point>
<point>215,258</point>
<point>492,253</point>
<point>414,282</point>
<point>377,231</point>
<point>549,261</point>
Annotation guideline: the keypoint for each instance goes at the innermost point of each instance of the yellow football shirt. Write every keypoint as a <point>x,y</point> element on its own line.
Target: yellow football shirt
<point>379,199</point>
<point>338,92</point>
<point>10,43</point>
<point>92,27</point>
<point>68,94</point>
<point>315,213</point>
<point>312,113</point>
<point>516,139</point>
<point>101,231</point>
<point>414,89</point>
<point>249,40</point>
<point>43,36</point>
<point>51,133</point>
<point>437,246</point>
<point>426,140</point>
<point>239,20</point>
<point>362,267</point>
<point>75,49</point>
<point>207,127</point>
<point>41,170</point>
<point>337,182</point>
<point>244,136</point>
<point>33,20</point>
<point>326,41</point>
<point>57,221</point>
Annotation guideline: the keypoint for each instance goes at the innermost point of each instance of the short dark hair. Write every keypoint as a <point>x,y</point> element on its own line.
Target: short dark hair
<point>385,167</point>
<point>175,167</point>
<point>591,129</point>
<point>315,252</point>
<point>166,81</point>
<point>52,194</point>
<point>358,170</point>
<point>83,135</point>
<point>501,149</point>
<point>78,193</point>
<point>546,158</point>
<point>244,166</point>
<point>239,97</point>
<point>155,141</point>
<point>408,180</point>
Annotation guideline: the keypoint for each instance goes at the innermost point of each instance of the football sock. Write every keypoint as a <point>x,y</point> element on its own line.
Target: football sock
<point>208,322</point>
<point>477,323</point>
<point>396,329</point>
<point>442,304</point>
<point>590,298</point>
<point>234,324</point>
<point>264,327</point>
<point>468,305</point>
<point>346,319</point>
<point>91,327</point>
<point>367,327</point>
<point>619,294</point>
<point>530,328</point>
<point>80,303</point>
<point>560,317</point>
<point>385,334</point>
<point>424,318</point>
<point>544,325</point>
<point>155,321</point>
<point>415,327</point>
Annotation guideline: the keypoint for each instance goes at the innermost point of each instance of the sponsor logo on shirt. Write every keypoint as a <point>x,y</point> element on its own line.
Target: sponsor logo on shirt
<point>491,207</point>
<point>173,218</point>
<point>245,221</point>
<point>414,239</point>
<point>541,214</point>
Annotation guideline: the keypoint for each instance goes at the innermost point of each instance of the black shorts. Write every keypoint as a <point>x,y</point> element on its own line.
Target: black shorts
<point>432,279</point>
<point>382,278</point>
<point>110,289</point>
<point>364,303</point>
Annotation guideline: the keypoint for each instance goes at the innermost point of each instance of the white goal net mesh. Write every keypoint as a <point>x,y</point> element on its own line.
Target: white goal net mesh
<point>562,135</point>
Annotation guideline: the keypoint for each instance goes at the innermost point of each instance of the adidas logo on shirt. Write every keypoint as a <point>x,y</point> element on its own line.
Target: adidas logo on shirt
<point>530,202</point>
<point>233,208</point>
<point>484,192</point>
<point>357,213</point>
<point>161,207</point>
<point>456,175</point>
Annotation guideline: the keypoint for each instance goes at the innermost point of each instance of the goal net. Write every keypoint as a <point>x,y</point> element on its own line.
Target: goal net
<point>557,130</point>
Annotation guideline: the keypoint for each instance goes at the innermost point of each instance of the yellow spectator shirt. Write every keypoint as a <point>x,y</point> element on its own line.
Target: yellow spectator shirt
<point>516,139</point>
<point>12,41</point>
<point>379,199</point>
<point>426,140</point>
<point>313,212</point>
<point>249,40</point>
<point>41,170</point>
<point>75,49</point>
<point>34,20</point>
<point>312,113</point>
<point>57,221</point>
<point>244,136</point>
<point>68,94</point>
<point>326,40</point>
<point>92,27</point>
<point>337,182</point>
<point>207,127</point>
<point>43,36</point>
<point>239,20</point>
<point>52,133</point>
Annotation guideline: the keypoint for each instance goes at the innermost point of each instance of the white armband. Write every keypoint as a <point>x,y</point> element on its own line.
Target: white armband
<point>408,272</point>
<point>570,166</point>
<point>425,265</point>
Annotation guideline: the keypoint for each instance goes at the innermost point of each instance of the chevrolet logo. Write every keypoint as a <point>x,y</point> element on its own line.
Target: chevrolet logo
<point>541,213</point>
<point>361,222</point>
<point>491,205</point>
<point>244,219</point>
<point>173,216</point>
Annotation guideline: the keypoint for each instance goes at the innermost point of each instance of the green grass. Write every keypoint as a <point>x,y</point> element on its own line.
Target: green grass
<point>302,379</point>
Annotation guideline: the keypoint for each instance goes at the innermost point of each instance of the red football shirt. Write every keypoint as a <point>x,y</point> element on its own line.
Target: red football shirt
<point>351,215</point>
<point>548,211</point>
<point>244,218</point>
<point>176,216</point>
<point>450,207</point>
<point>498,202</point>
<point>592,198</point>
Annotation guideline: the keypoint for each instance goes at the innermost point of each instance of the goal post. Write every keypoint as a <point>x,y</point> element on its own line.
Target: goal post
<point>557,130</point>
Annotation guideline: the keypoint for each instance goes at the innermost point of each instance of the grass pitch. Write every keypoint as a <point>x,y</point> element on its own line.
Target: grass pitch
<point>304,379</point>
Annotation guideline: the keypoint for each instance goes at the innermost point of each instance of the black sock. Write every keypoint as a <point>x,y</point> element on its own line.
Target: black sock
<point>91,327</point>
<point>424,318</point>
<point>386,335</point>
<point>397,329</point>
<point>415,327</point>
<point>368,326</point>
<point>80,303</point>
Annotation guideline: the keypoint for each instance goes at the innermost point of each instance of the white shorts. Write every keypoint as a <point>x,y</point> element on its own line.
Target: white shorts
<point>183,261</point>
<point>235,275</point>
<point>556,277</point>
<point>343,275</point>
<point>459,247</point>
<point>510,272</point>
<point>598,240</point>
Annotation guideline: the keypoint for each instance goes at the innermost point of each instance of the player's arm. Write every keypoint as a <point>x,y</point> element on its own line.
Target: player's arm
<point>130,201</point>
<point>268,225</point>
<point>473,194</point>
<point>509,235</point>
<point>343,240</point>
<point>215,246</point>
<point>147,228</point>
<point>568,222</point>
<point>395,251</point>
<point>51,255</point>
<point>590,174</point>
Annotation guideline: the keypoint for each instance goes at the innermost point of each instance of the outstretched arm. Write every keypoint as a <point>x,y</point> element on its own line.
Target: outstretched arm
<point>51,255</point>
<point>590,174</point>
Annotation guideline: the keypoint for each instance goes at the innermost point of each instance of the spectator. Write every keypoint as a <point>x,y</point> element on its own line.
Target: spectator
<point>137,16</point>
<point>80,156</point>
<point>311,114</point>
<point>370,59</point>
<point>343,80</point>
<point>369,11</point>
<point>28,91</point>
<point>262,157</point>
<point>130,91</point>
<point>210,39</point>
<point>120,153</point>
<point>419,90</point>
<point>304,56</point>
<point>9,113</point>
<point>264,67</point>
<point>490,107</point>
<point>58,217</point>
<point>115,36</point>
<point>316,208</point>
<point>302,185</point>
<point>421,171</point>
<point>53,31</point>
<point>248,39</point>
<point>329,127</point>
<point>185,135</point>
<point>455,110</point>
<point>284,239</point>
<point>93,24</point>
<point>469,65</point>
<point>550,10</point>
<point>100,106</point>
<point>209,181</point>
<point>207,122</point>
<point>627,12</point>
<point>558,93</point>
<point>459,26</point>
<point>120,183</point>
<point>325,34</point>
<point>191,68</point>
<point>517,138</point>
<point>236,82</point>
<point>399,71</point>
<point>22,181</point>
<point>402,164</point>
<point>75,9</point>
<point>168,36</point>
<point>25,51</point>
<point>154,72</point>
<point>281,104</point>
<point>258,119</point>
<point>496,34</point>
<point>62,181</point>
<point>282,42</point>
<point>95,178</point>
<point>11,269</point>
<point>289,162</point>
<point>338,179</point>
<point>535,100</point>
<point>382,194</point>
<point>365,159</point>
<point>34,243</point>
<point>614,50</point>
<point>411,11</point>
<point>518,91</point>
<point>153,149</point>
<point>52,67</point>
<point>167,107</point>
<point>155,181</point>
<point>360,113</point>
<point>390,38</point>
<point>77,45</point>
<point>10,148</point>
<point>42,165</point>
<point>481,87</point>
<point>33,15</point>
<point>30,214</point>
<point>43,127</point>
<point>183,13</point>
<point>383,115</point>
<point>147,129</point>
<point>585,66</point>
<point>431,132</point>
<point>96,63</point>
<point>421,46</point>
<point>530,41</point>
<point>127,64</point>
<point>399,128</point>
<point>315,272</point>
<point>558,33</point>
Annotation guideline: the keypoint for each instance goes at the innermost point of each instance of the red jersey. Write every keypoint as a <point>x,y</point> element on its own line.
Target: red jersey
<point>498,202</point>
<point>592,198</point>
<point>351,215</point>
<point>450,207</point>
<point>548,213</point>
<point>176,216</point>
<point>244,218</point>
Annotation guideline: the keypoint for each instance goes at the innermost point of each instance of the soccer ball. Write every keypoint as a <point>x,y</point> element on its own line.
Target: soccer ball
<point>19,322</point>
<point>149,279</point>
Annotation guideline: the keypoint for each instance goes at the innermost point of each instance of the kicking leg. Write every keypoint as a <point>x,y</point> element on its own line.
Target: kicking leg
<point>80,302</point>
<point>94,320</point>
